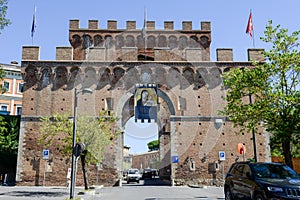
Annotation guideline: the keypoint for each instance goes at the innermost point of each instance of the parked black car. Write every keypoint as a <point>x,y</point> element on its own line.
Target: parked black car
<point>261,181</point>
<point>147,173</point>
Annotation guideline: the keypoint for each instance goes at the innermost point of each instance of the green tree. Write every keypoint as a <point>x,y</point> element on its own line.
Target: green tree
<point>9,139</point>
<point>9,134</point>
<point>274,86</point>
<point>94,133</point>
<point>3,9</point>
<point>153,145</point>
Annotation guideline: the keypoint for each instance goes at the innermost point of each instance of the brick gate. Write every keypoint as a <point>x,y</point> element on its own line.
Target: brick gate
<point>111,62</point>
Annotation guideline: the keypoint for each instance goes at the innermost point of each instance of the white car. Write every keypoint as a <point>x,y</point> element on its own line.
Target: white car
<point>133,175</point>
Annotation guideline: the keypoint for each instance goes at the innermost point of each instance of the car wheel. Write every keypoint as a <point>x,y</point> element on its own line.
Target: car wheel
<point>259,197</point>
<point>228,195</point>
<point>127,182</point>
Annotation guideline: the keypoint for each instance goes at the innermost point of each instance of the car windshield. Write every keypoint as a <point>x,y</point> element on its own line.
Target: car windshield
<point>264,170</point>
<point>133,172</point>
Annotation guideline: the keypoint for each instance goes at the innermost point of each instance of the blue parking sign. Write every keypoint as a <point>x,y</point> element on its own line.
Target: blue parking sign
<point>174,159</point>
<point>222,156</point>
<point>46,154</point>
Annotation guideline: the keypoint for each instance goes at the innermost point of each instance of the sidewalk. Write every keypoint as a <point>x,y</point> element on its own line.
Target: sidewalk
<point>47,193</point>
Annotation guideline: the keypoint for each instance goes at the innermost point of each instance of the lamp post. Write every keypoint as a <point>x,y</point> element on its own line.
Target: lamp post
<point>74,158</point>
<point>253,135</point>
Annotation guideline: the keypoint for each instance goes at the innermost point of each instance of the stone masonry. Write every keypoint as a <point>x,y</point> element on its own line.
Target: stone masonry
<point>111,61</point>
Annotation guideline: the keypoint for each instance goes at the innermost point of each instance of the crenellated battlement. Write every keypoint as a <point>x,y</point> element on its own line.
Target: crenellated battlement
<point>131,25</point>
<point>146,40</point>
<point>132,44</point>
<point>130,53</point>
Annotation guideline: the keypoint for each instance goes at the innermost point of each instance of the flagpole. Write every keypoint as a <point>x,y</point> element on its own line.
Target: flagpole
<point>250,29</point>
<point>253,38</point>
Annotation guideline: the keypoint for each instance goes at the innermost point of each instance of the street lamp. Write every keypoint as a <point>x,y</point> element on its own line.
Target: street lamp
<point>74,158</point>
<point>253,135</point>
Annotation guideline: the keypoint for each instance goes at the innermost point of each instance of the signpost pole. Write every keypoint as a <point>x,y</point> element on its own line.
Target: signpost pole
<point>45,165</point>
<point>45,158</point>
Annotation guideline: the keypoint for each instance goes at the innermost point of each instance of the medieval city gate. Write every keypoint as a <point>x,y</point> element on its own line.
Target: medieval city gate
<point>112,62</point>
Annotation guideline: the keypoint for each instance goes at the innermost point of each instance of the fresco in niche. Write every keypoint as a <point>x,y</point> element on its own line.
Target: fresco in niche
<point>30,78</point>
<point>145,103</point>
<point>60,77</point>
<point>104,78</point>
<point>75,41</point>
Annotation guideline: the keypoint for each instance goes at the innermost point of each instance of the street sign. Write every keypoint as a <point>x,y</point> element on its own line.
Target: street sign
<point>222,156</point>
<point>46,154</point>
<point>174,159</point>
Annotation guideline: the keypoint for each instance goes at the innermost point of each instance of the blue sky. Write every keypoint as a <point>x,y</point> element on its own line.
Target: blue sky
<point>228,22</point>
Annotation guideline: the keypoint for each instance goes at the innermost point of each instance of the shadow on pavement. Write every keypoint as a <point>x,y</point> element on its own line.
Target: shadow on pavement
<point>34,194</point>
<point>155,182</point>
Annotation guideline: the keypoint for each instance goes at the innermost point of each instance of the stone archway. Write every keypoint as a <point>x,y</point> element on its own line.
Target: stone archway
<point>165,110</point>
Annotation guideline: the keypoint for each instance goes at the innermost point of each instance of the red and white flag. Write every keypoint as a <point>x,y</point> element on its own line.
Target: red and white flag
<point>249,28</point>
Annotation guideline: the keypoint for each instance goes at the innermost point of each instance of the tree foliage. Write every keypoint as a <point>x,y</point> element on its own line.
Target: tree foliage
<point>57,131</point>
<point>153,145</point>
<point>3,9</point>
<point>275,88</point>
<point>9,134</point>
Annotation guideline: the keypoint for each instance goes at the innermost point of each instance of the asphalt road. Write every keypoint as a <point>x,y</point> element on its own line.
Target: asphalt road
<point>145,190</point>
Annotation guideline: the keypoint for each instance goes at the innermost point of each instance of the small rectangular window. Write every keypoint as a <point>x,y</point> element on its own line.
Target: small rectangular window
<point>6,85</point>
<point>4,107</point>
<point>109,103</point>
<point>19,111</point>
<point>182,103</point>
<point>20,88</point>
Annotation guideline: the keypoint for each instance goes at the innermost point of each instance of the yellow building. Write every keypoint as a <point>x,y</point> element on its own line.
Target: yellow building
<point>11,100</point>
